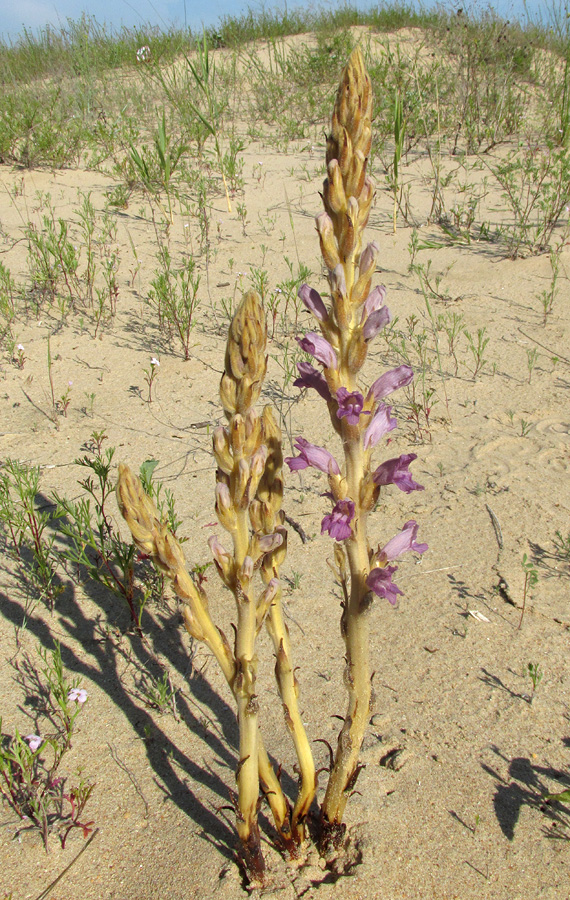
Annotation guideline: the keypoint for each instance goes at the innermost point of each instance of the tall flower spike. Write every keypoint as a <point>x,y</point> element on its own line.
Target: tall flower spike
<point>356,315</point>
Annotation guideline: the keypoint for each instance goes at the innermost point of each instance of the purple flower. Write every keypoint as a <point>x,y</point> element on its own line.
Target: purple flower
<point>380,581</point>
<point>396,471</point>
<point>310,455</point>
<point>375,322</point>
<point>34,740</point>
<point>402,542</point>
<point>350,404</point>
<point>380,424</point>
<point>391,381</point>
<point>374,301</point>
<point>337,523</point>
<point>312,378</point>
<point>320,348</point>
<point>77,695</point>
<point>313,301</point>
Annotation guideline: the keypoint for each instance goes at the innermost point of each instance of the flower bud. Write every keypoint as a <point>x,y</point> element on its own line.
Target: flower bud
<point>246,571</point>
<point>241,484</point>
<point>224,509</point>
<point>256,516</point>
<point>329,248</point>
<point>237,433</point>
<point>335,192</point>
<point>223,560</point>
<point>349,232</point>
<point>191,623</point>
<point>221,445</point>
<point>368,259</point>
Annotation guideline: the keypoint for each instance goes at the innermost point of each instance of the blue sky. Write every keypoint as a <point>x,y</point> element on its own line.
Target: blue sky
<point>36,13</point>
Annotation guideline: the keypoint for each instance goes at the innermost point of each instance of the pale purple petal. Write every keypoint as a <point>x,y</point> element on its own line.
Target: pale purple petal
<point>350,404</point>
<point>403,542</point>
<point>77,695</point>
<point>312,378</point>
<point>310,455</point>
<point>337,522</point>
<point>380,424</point>
<point>34,741</point>
<point>396,471</point>
<point>319,347</point>
<point>313,301</point>
<point>391,381</point>
<point>375,322</point>
<point>218,551</point>
<point>380,581</point>
<point>268,542</point>
<point>373,302</point>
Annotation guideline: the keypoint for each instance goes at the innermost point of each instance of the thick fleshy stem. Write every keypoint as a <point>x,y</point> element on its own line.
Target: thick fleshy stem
<point>267,518</point>
<point>153,538</point>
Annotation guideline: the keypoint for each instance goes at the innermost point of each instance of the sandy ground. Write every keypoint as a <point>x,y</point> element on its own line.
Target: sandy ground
<point>458,759</point>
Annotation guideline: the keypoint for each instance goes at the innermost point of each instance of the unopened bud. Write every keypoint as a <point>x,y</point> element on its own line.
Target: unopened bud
<point>223,559</point>
<point>335,188</point>
<point>191,623</point>
<point>256,515</point>
<point>224,509</point>
<point>349,228</point>
<point>237,435</point>
<point>368,259</point>
<point>265,600</point>
<point>246,571</point>
<point>329,248</point>
<point>365,203</point>
<point>221,445</point>
<point>241,483</point>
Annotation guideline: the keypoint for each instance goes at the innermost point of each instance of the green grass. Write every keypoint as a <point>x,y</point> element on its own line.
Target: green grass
<point>84,46</point>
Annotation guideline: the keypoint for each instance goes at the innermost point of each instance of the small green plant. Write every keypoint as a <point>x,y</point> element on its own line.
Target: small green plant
<point>18,356</point>
<point>29,527</point>
<point>94,549</point>
<point>174,296</point>
<point>547,297</point>
<point>150,375</point>
<point>159,693</point>
<point>29,779</point>
<point>53,259</point>
<point>453,325</point>
<point>530,581</point>
<point>399,132</point>
<point>477,349</point>
<point>535,674</point>
<point>241,210</point>
<point>155,172</point>
<point>562,545</point>
<point>531,357</point>
<point>429,284</point>
<point>534,181</point>
<point>525,427</point>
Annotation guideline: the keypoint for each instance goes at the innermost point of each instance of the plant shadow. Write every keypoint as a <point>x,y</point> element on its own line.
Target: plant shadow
<point>527,785</point>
